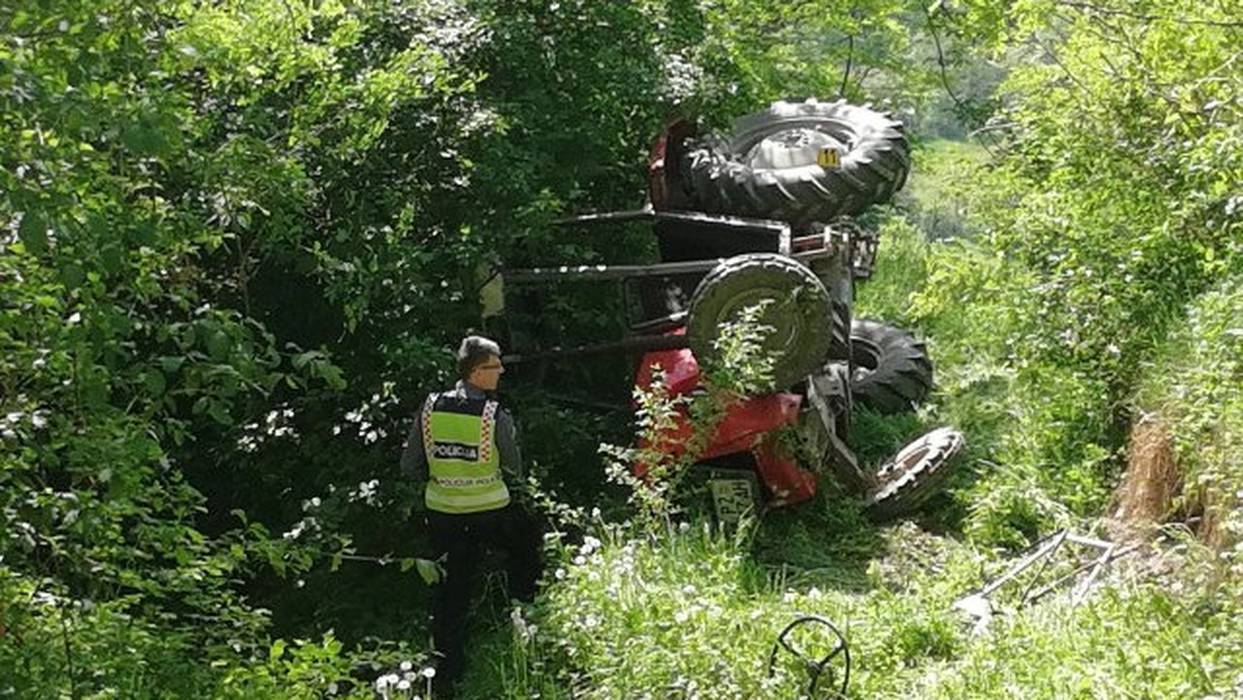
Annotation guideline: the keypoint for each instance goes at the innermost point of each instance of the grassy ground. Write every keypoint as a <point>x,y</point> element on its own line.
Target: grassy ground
<point>693,612</point>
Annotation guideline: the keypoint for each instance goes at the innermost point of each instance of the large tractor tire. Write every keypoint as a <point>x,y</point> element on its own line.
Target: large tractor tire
<point>891,369</point>
<point>914,474</point>
<point>770,167</point>
<point>798,311</point>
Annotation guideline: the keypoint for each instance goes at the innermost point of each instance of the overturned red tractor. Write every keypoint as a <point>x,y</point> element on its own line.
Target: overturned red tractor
<point>764,217</point>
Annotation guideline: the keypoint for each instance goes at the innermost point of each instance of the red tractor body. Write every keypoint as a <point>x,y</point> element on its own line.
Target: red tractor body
<point>747,427</point>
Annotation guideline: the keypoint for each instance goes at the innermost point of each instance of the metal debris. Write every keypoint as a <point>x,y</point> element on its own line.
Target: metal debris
<point>980,607</point>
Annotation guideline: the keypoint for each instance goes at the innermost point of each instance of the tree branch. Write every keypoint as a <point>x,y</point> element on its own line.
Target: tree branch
<point>945,81</point>
<point>850,55</point>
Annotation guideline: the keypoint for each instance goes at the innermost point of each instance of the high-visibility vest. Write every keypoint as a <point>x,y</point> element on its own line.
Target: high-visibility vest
<point>464,466</point>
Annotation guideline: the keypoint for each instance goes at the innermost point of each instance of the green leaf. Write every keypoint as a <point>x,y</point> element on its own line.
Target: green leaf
<point>144,140</point>
<point>277,650</point>
<point>72,276</point>
<point>430,571</point>
<point>155,383</point>
<point>218,345</point>
<point>219,411</point>
<point>171,363</point>
<point>33,233</point>
<point>299,361</point>
<point>143,233</point>
<point>332,374</point>
<point>112,259</point>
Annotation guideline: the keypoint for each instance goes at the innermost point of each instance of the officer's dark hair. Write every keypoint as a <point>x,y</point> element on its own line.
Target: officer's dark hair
<point>474,351</point>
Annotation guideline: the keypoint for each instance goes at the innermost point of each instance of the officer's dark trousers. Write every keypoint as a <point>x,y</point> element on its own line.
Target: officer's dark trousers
<point>463,538</point>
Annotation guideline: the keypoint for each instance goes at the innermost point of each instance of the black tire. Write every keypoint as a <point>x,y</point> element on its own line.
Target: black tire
<point>914,474</point>
<point>768,168</point>
<point>891,371</point>
<point>799,312</point>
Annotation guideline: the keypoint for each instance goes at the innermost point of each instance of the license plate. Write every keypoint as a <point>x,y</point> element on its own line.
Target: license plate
<point>734,498</point>
<point>828,158</point>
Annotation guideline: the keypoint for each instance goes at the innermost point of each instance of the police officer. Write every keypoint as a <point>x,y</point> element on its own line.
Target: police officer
<point>464,446</point>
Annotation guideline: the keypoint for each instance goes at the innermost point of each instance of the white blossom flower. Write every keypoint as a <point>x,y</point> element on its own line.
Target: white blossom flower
<point>295,532</point>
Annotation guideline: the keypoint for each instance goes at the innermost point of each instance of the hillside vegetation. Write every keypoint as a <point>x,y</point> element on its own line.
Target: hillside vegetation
<point>240,239</point>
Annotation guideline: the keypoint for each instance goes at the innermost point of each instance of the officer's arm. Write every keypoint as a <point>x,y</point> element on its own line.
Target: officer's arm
<point>413,457</point>
<point>507,445</point>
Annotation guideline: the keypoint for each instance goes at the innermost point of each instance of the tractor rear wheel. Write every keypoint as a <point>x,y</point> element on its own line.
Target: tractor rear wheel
<point>796,307</point>
<point>775,165</point>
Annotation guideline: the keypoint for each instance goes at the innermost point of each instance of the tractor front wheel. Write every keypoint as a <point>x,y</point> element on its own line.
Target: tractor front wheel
<point>914,474</point>
<point>891,369</point>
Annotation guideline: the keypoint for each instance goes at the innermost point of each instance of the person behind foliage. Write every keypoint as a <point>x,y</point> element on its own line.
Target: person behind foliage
<point>464,447</point>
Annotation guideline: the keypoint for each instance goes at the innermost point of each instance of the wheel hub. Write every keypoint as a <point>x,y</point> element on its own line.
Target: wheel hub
<point>792,148</point>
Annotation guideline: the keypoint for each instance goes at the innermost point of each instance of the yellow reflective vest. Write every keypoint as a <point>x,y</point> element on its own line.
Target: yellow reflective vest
<point>464,467</point>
